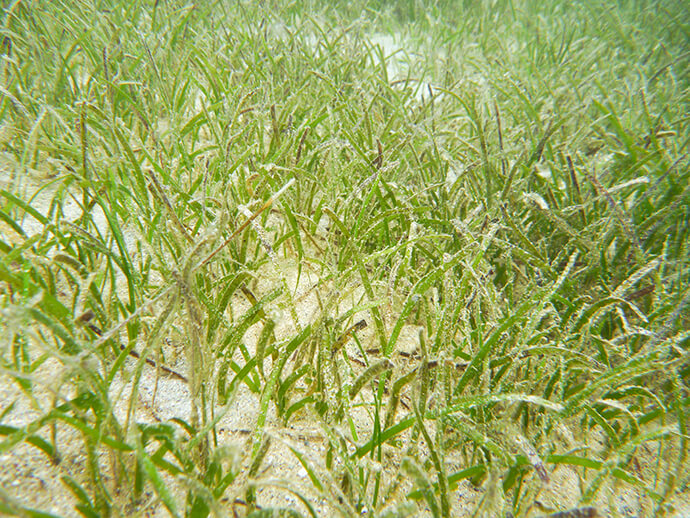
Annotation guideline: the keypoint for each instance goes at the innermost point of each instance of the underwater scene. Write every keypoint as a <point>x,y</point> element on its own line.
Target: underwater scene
<point>367,258</point>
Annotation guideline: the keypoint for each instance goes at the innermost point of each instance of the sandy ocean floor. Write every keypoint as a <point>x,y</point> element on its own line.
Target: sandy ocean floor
<point>28,476</point>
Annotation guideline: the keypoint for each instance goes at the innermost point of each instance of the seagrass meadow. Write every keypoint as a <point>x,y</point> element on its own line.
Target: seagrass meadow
<point>375,258</point>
